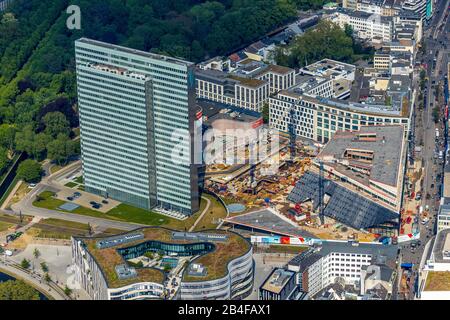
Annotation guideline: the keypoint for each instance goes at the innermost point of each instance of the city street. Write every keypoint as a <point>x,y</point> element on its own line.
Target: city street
<point>435,39</point>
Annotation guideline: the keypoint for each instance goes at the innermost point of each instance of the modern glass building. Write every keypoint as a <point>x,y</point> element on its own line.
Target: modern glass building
<point>138,120</point>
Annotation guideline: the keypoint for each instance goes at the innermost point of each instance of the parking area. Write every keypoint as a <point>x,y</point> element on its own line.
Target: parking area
<point>86,199</point>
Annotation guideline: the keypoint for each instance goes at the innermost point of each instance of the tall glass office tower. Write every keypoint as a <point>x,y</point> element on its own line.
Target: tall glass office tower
<point>131,103</point>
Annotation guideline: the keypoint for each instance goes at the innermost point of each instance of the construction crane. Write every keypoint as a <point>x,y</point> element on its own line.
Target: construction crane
<point>252,183</point>
<point>321,193</point>
<point>292,135</point>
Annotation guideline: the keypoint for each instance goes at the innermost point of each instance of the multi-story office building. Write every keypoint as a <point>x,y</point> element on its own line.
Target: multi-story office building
<point>434,278</point>
<point>279,285</point>
<point>213,264</point>
<point>248,86</point>
<point>317,98</point>
<point>423,8</point>
<point>4,4</point>
<point>350,4</point>
<point>374,28</point>
<point>319,118</point>
<point>132,104</point>
<point>232,89</point>
<point>443,218</point>
<point>318,268</point>
<point>382,7</point>
<point>382,61</point>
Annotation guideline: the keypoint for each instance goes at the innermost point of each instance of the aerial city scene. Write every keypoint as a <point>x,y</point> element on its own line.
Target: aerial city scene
<point>224,150</point>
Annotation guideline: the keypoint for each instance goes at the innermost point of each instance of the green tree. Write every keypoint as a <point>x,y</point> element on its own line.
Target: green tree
<point>17,290</point>
<point>436,114</point>
<point>67,291</point>
<point>56,123</point>
<point>29,170</point>
<point>4,160</point>
<point>44,267</point>
<point>62,148</point>
<point>167,268</point>
<point>327,40</point>
<point>36,253</point>
<point>7,136</point>
<point>25,263</point>
<point>47,278</point>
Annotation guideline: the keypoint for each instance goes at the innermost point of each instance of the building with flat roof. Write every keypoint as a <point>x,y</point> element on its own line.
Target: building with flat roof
<point>279,285</point>
<point>381,7</point>
<point>232,89</point>
<point>434,279</point>
<point>318,118</point>
<point>131,103</point>
<point>248,85</point>
<point>372,27</point>
<point>212,264</point>
<point>416,6</point>
<point>363,183</point>
<point>268,221</point>
<point>330,96</point>
<point>345,262</point>
<point>443,218</point>
<point>371,159</point>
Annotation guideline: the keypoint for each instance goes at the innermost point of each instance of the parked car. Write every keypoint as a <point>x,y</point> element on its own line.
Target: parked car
<point>77,194</point>
<point>92,202</point>
<point>69,198</point>
<point>104,201</point>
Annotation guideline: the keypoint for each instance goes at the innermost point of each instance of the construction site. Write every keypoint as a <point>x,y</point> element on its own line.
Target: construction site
<point>249,186</point>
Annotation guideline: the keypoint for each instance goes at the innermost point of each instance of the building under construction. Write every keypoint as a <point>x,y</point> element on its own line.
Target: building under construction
<point>357,180</point>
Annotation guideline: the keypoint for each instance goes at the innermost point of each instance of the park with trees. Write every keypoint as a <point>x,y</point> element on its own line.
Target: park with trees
<point>38,102</point>
<point>327,40</point>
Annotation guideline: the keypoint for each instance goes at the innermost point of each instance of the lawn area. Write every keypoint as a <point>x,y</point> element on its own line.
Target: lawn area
<point>211,218</point>
<point>187,223</point>
<point>438,281</point>
<point>65,224</point>
<point>58,229</point>
<point>4,226</point>
<point>15,219</point>
<point>46,200</point>
<point>8,191</point>
<point>20,194</point>
<point>81,187</point>
<point>55,168</point>
<point>122,212</point>
<point>79,179</point>
<point>128,213</point>
<point>71,184</point>
<point>111,231</point>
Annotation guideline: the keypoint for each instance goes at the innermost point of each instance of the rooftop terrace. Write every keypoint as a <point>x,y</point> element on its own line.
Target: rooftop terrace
<point>228,246</point>
<point>437,281</point>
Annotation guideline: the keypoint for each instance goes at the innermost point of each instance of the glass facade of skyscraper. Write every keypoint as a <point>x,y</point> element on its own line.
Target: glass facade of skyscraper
<point>131,103</point>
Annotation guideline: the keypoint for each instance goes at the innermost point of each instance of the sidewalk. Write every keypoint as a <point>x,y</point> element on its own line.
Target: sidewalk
<point>35,280</point>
